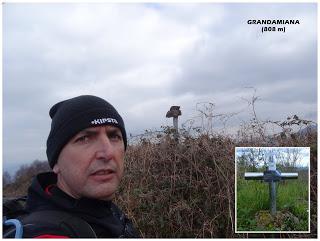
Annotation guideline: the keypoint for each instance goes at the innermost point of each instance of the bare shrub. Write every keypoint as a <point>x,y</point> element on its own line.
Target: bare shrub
<point>170,187</point>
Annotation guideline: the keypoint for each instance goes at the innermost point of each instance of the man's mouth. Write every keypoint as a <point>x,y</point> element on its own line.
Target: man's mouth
<point>103,172</point>
<point>103,175</point>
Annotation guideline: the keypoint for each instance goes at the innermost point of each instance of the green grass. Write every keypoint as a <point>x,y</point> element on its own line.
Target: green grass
<point>253,196</point>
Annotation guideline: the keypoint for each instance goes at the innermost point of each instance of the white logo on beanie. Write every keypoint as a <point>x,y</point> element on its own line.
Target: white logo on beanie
<point>104,120</point>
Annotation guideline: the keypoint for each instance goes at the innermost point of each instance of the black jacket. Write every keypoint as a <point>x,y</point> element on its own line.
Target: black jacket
<point>105,218</point>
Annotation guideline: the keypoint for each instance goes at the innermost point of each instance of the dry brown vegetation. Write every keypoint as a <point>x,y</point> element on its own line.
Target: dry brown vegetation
<point>180,190</point>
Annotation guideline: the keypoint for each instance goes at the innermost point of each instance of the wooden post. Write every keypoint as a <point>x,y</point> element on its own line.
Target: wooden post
<point>174,112</point>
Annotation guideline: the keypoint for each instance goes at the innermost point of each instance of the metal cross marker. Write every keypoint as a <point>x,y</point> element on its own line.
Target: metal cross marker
<point>272,175</point>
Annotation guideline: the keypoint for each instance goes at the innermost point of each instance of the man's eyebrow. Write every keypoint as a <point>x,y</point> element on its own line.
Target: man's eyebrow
<point>87,132</point>
<point>113,128</point>
<point>113,131</point>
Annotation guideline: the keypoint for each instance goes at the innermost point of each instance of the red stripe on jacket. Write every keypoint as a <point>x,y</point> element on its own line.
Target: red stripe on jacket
<point>51,236</point>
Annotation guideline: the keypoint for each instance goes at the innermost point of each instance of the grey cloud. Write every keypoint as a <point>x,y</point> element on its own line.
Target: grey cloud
<point>121,52</point>
<point>242,63</point>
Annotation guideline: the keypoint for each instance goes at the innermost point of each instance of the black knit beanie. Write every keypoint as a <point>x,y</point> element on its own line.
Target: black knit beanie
<point>73,115</point>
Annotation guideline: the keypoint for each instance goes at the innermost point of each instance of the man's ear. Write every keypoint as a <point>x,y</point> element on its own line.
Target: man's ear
<point>56,168</point>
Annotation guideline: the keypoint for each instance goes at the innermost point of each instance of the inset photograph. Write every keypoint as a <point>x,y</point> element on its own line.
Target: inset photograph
<point>272,189</point>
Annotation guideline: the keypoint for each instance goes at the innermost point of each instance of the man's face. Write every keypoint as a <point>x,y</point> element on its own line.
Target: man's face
<point>91,163</point>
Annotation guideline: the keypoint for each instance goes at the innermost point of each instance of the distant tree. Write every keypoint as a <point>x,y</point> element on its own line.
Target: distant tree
<point>289,158</point>
<point>26,172</point>
<point>255,157</point>
<point>23,177</point>
<point>6,178</point>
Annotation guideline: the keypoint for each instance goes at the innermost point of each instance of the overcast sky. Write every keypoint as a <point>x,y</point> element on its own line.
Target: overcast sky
<point>144,58</point>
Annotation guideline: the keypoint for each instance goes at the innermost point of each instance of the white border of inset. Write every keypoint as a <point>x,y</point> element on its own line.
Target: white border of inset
<point>235,192</point>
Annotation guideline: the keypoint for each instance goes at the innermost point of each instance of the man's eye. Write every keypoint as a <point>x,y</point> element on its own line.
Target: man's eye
<point>115,136</point>
<point>82,139</point>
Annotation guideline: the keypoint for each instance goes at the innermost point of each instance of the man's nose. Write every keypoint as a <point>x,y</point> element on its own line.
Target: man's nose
<point>104,148</point>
